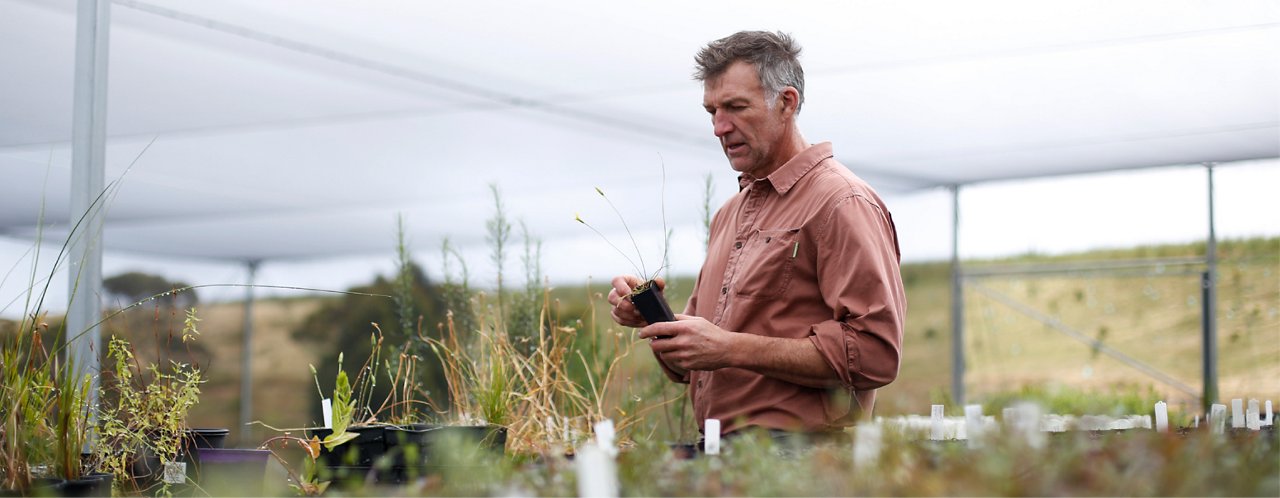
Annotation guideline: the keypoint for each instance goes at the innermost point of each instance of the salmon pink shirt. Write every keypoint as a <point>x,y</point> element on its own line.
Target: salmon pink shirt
<point>809,252</point>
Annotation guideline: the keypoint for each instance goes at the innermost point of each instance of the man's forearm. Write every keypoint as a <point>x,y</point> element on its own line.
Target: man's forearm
<point>793,360</point>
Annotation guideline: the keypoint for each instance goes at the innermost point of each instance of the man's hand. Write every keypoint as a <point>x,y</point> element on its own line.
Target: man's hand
<point>624,312</point>
<point>691,343</point>
<point>696,344</point>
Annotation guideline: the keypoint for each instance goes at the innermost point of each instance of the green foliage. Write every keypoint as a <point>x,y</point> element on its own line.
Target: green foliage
<point>404,282</point>
<point>143,414</point>
<point>456,292</point>
<point>71,415</point>
<point>524,322</point>
<point>26,398</point>
<point>1133,463</point>
<point>1067,400</point>
<point>498,234</point>
<point>343,409</point>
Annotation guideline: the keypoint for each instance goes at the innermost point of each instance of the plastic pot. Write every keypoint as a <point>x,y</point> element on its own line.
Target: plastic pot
<point>206,438</point>
<point>230,472</point>
<point>651,304</point>
<point>369,445</point>
<point>95,484</point>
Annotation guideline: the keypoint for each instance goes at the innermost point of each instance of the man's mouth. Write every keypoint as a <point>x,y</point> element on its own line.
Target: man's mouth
<point>735,148</point>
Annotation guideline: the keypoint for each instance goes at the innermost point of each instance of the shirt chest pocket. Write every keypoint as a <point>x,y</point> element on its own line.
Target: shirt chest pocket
<point>767,263</point>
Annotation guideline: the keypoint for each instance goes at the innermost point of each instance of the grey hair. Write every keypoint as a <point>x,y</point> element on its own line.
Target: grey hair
<point>776,57</point>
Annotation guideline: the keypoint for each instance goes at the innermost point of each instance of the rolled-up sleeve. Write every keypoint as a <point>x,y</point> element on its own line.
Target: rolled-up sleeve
<point>860,281</point>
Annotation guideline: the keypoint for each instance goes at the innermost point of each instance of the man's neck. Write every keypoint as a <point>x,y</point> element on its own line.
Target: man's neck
<point>787,149</point>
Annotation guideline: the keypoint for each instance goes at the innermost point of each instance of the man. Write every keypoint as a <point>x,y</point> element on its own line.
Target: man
<point>797,314</point>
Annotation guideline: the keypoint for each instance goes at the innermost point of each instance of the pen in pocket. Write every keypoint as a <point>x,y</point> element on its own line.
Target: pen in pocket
<point>795,250</point>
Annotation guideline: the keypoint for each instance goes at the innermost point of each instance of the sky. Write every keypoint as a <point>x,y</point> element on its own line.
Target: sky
<point>1050,216</point>
<point>342,115</point>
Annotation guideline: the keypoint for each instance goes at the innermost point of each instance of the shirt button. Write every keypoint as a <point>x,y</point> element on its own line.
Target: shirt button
<point>737,245</point>
<point>724,290</point>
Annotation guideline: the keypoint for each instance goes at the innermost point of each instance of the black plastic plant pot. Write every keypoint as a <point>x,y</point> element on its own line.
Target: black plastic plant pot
<point>207,438</point>
<point>368,446</point>
<point>95,484</point>
<point>651,304</point>
<point>407,444</point>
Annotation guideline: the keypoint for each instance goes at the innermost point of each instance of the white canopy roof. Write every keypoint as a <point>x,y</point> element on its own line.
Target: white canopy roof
<point>299,128</point>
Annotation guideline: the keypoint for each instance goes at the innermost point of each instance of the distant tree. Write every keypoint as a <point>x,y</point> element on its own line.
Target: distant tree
<point>128,288</point>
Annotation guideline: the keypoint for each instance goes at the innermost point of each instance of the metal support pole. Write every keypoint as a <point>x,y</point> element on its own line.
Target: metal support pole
<point>1210,301</point>
<point>246,362</point>
<point>88,153</point>
<point>957,303</point>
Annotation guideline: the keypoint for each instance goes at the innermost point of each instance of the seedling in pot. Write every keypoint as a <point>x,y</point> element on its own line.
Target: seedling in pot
<point>647,297</point>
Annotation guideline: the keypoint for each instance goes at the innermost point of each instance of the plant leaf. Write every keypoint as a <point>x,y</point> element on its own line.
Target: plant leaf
<point>336,439</point>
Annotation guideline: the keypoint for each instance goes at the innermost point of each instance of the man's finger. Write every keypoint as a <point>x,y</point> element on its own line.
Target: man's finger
<point>658,330</point>
<point>662,347</point>
<point>624,283</point>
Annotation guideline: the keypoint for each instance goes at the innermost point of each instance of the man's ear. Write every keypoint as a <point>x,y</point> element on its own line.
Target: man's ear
<point>790,98</point>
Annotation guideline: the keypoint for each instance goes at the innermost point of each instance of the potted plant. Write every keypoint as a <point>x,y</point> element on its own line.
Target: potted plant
<point>71,420</point>
<point>647,297</point>
<point>143,437</point>
<point>26,396</point>
<point>481,385</point>
<point>349,446</point>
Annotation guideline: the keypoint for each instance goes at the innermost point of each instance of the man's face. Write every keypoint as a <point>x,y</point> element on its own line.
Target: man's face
<point>749,131</point>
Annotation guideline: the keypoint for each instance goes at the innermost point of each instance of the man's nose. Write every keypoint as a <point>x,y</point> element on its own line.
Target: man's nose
<point>721,124</point>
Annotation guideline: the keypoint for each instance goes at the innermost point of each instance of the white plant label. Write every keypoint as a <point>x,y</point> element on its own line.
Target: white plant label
<point>1237,413</point>
<point>937,423</point>
<point>973,425</point>
<point>1218,418</point>
<point>711,438</point>
<point>326,409</point>
<point>1162,417</point>
<point>1266,420</point>
<point>604,437</point>
<point>597,475</point>
<point>1252,421</point>
<point>1026,422</point>
<point>867,442</point>
<point>175,472</point>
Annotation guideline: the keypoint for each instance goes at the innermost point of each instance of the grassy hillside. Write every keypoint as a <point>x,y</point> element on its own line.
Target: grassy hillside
<point>1151,315</point>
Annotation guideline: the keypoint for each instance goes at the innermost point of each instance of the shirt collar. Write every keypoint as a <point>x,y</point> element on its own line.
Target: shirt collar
<point>795,169</point>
